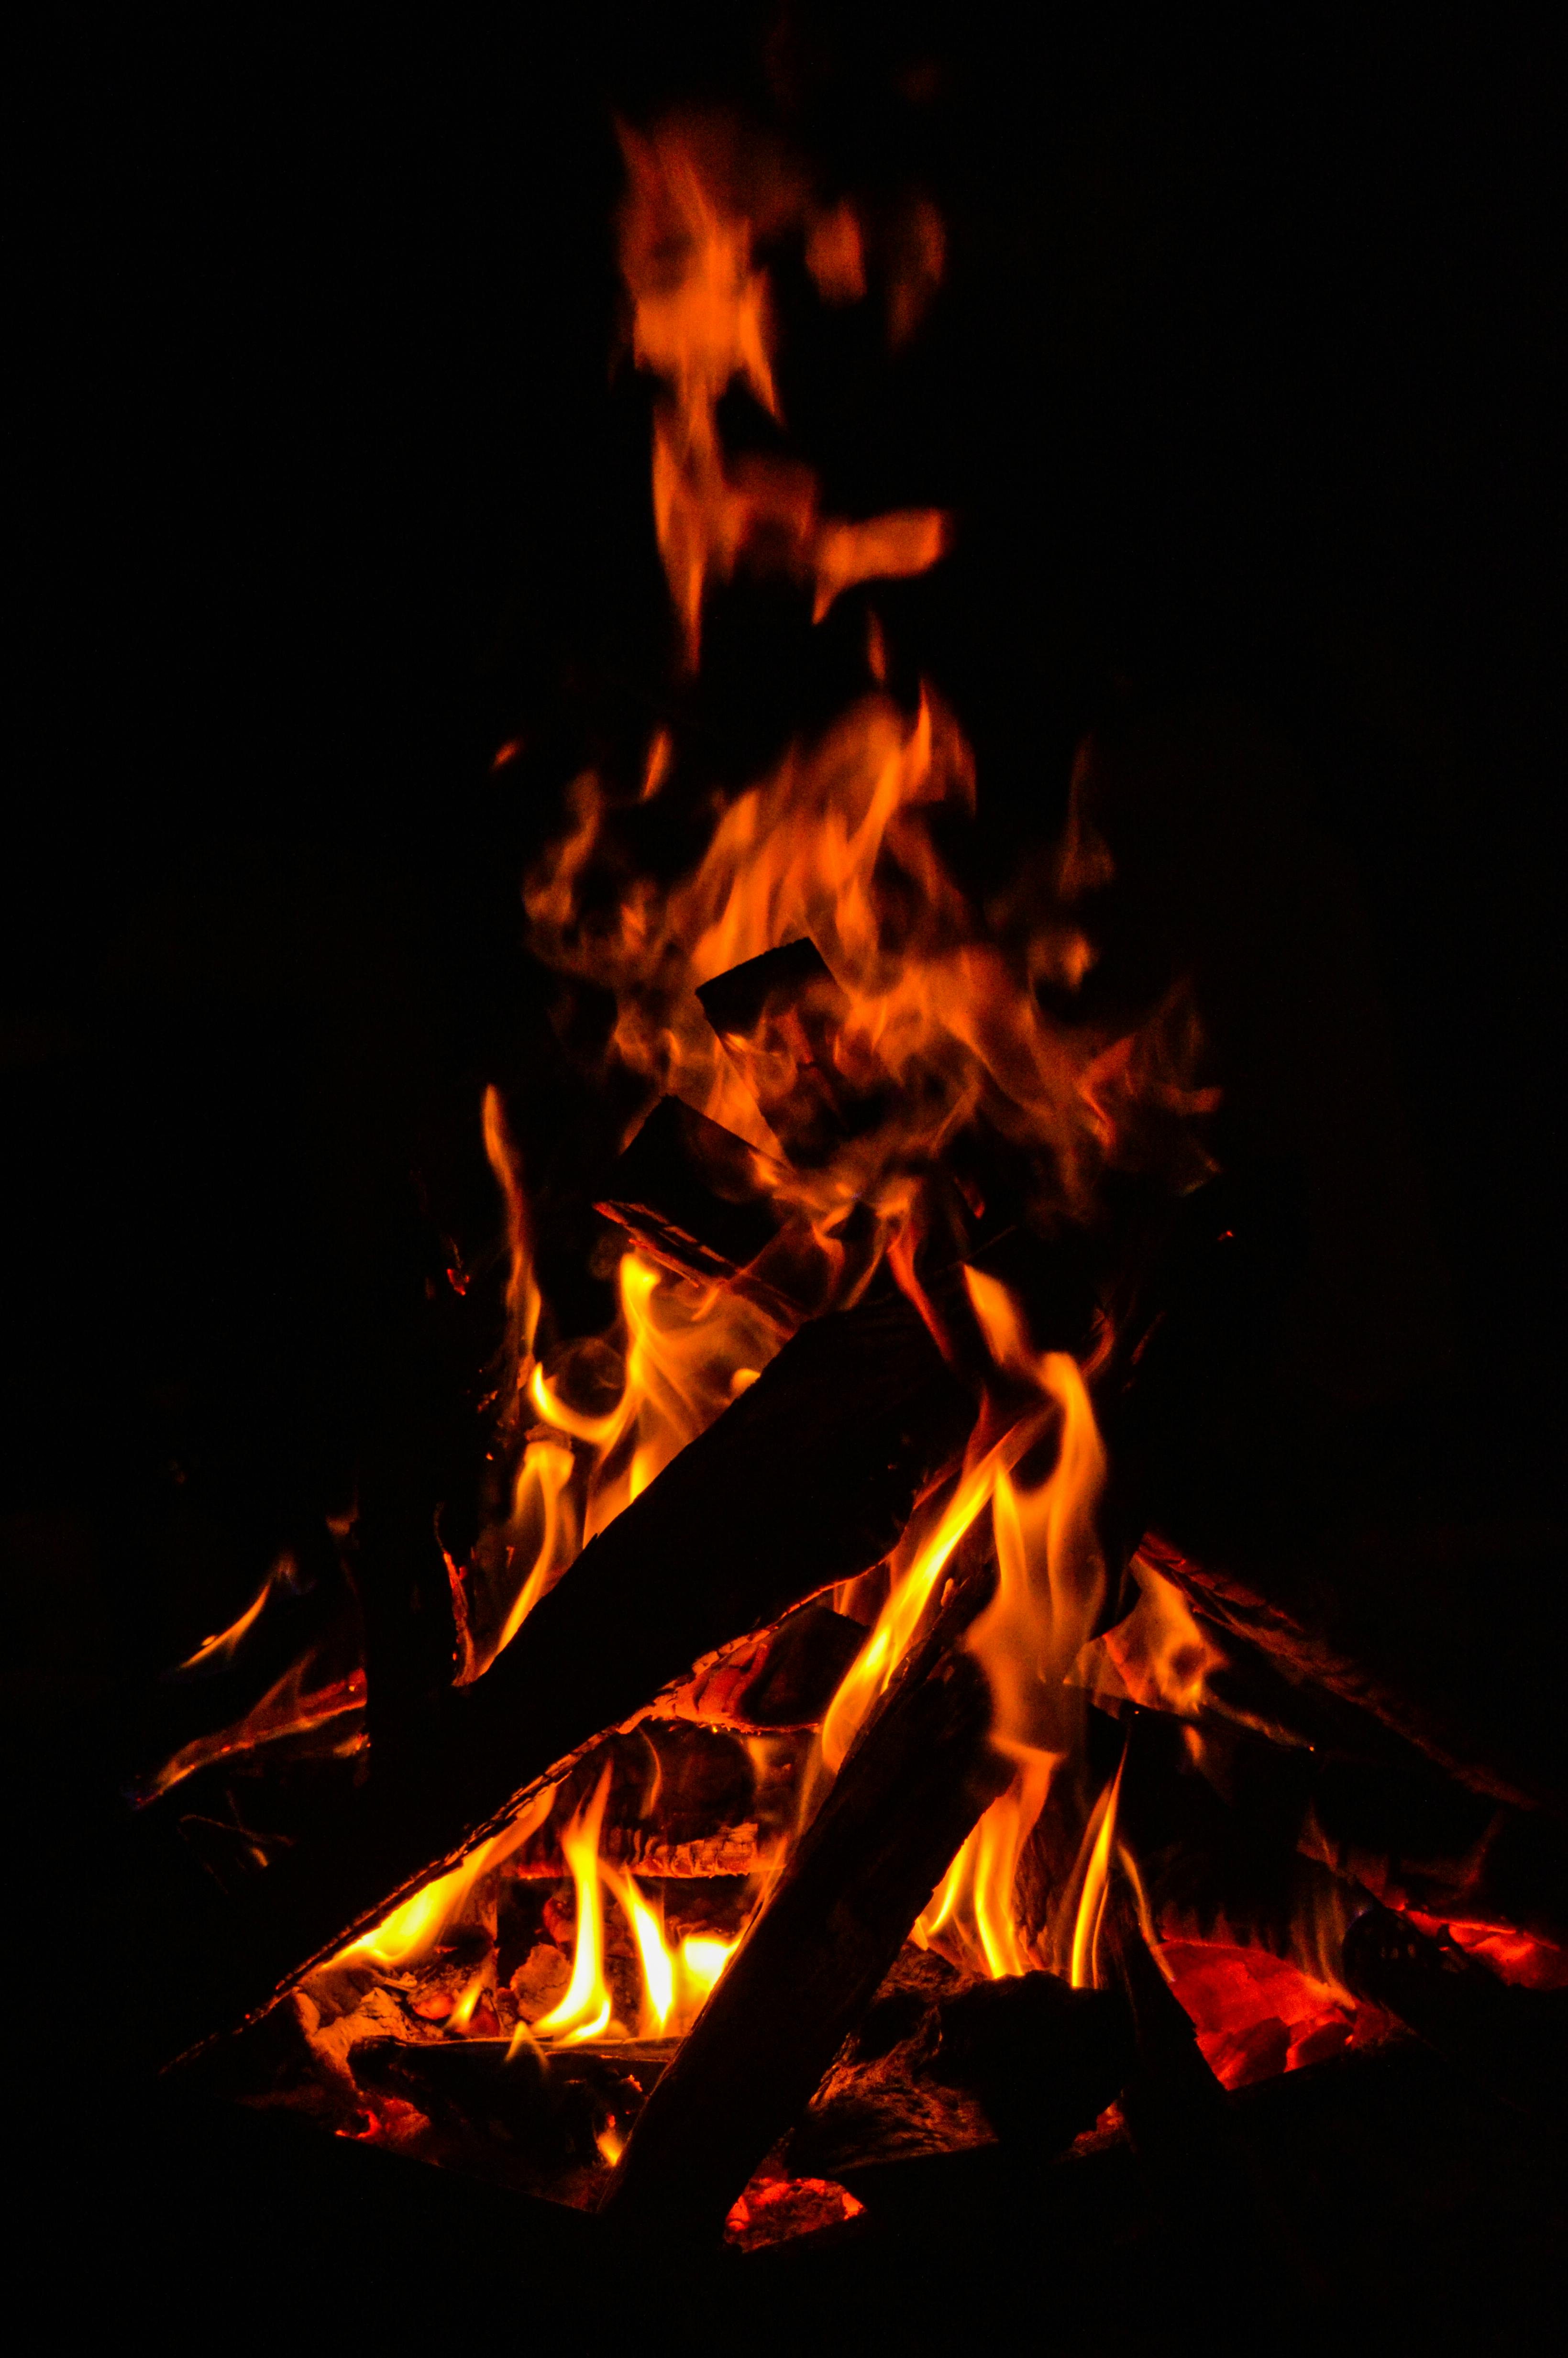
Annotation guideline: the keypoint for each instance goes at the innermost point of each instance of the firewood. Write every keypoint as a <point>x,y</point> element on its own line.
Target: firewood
<point>806,1481</point>
<point>1334,1625</point>
<point>778,1016</point>
<point>696,1196</point>
<point>918,1778</point>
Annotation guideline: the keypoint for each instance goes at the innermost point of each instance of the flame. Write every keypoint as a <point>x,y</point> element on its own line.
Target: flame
<point>658,1967</point>
<point>217,1653</point>
<point>584,2012</point>
<point>1159,1657</point>
<point>416,1924</point>
<point>972,1919</point>
<point>703,321</point>
<point>1050,1585</point>
<point>687,1350</point>
<point>704,1960</point>
<point>1094,1857</point>
<point>307,1697</point>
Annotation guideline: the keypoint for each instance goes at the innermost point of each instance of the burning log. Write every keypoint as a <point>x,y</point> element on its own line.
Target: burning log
<point>806,1481</point>
<point>1514,2041</point>
<point>905,1797</point>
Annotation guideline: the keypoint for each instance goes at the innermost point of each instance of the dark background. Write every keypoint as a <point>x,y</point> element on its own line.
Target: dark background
<point>1238,388</point>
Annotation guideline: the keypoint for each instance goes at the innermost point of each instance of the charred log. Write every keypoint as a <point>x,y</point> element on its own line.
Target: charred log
<point>905,1799</point>
<point>1043,2060</point>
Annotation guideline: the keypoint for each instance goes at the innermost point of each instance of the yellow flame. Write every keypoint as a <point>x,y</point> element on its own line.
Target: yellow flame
<point>521,1292</point>
<point>971,1918</point>
<point>584,2011</point>
<point>652,1955</point>
<point>1099,1839</point>
<point>705,1960</point>
<point>413,1928</point>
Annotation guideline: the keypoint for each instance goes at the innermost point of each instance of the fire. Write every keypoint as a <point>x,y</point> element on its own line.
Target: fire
<point>680,1352</point>
<point>414,1927</point>
<point>698,203</point>
<point>217,1653</point>
<point>1050,1585</point>
<point>585,2011</point>
<point>1099,1837</point>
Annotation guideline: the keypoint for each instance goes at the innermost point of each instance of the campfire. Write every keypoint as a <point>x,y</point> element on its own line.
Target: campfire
<point>865,1746</point>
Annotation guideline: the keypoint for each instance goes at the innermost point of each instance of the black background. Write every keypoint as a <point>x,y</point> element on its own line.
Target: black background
<point>1238,383</point>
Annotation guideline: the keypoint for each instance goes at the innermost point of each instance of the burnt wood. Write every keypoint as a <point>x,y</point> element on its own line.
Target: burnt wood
<point>910,1788</point>
<point>806,1480</point>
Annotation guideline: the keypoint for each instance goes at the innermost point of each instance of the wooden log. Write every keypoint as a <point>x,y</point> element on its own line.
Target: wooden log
<point>1336,1625</point>
<point>696,1196</point>
<point>807,1480</point>
<point>910,1788</point>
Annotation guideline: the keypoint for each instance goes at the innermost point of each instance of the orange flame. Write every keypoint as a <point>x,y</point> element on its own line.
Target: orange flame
<point>703,320</point>
<point>215,1653</point>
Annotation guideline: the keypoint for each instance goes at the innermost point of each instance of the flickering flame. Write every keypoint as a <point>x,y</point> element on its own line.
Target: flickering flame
<point>1159,1657</point>
<point>658,1967</point>
<point>698,204</point>
<point>307,1697</point>
<point>416,1924</point>
<point>1050,1584</point>
<point>1099,1839</point>
<point>584,2011</point>
<point>972,1917</point>
<point>684,1351</point>
<point>217,1653</point>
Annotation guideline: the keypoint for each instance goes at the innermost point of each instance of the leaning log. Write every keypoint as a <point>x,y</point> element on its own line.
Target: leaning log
<point>1334,1624</point>
<point>905,1799</point>
<point>806,1481</point>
